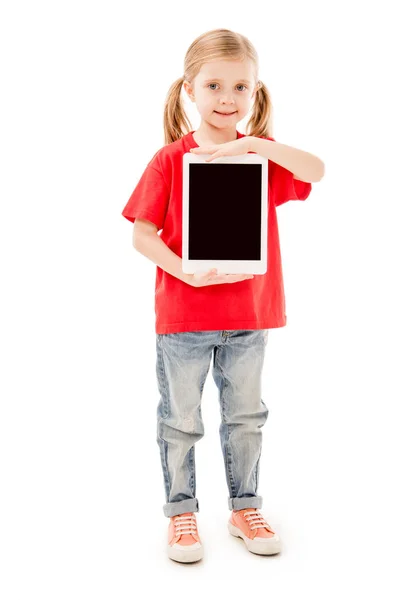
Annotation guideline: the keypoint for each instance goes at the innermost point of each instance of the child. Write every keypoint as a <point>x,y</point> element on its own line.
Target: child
<point>204,316</point>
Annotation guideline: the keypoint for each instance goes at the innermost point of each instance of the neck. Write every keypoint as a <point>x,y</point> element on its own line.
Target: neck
<point>207,134</point>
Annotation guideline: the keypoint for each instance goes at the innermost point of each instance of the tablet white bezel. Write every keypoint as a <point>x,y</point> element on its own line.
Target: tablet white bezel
<point>257,267</point>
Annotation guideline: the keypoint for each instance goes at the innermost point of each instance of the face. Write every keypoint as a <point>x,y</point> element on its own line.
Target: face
<point>223,87</point>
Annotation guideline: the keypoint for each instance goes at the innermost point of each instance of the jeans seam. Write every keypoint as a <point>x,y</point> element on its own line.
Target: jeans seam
<point>164,394</point>
<point>227,455</point>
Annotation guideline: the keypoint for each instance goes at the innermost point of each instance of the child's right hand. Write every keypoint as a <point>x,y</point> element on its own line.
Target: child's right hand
<point>200,279</point>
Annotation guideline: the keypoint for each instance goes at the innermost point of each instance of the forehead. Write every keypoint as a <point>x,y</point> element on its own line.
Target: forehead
<point>225,70</point>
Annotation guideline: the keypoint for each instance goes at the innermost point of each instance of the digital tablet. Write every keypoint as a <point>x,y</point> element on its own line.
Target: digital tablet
<point>225,213</point>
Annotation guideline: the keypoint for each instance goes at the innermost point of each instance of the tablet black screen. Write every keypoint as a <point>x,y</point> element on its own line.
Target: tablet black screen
<point>225,211</point>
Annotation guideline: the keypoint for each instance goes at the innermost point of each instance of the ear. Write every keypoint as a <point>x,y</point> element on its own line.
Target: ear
<point>257,87</point>
<point>188,89</point>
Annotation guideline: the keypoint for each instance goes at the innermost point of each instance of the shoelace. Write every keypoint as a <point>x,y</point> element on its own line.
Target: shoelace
<point>253,517</point>
<point>185,524</point>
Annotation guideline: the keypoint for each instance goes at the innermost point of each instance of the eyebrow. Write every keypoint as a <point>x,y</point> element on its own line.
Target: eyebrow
<point>216,79</point>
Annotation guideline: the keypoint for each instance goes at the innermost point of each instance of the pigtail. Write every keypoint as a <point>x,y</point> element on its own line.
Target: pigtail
<point>259,124</point>
<point>175,118</point>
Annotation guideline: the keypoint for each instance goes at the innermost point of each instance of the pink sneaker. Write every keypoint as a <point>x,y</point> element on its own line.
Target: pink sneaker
<point>184,544</point>
<point>250,525</point>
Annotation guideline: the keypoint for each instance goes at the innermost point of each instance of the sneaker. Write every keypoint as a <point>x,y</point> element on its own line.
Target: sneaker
<point>250,525</point>
<point>184,544</point>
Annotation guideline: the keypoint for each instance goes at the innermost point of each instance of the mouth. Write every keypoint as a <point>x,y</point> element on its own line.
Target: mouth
<point>225,114</point>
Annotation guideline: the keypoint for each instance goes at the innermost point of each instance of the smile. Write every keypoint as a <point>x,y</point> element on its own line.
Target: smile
<point>226,114</point>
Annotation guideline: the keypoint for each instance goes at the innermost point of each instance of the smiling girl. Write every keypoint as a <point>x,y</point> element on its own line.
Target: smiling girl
<point>202,317</point>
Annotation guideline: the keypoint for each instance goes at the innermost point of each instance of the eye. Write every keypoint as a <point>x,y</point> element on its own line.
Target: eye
<point>240,84</point>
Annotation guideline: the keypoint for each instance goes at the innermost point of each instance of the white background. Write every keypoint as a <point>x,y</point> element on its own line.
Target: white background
<point>83,88</point>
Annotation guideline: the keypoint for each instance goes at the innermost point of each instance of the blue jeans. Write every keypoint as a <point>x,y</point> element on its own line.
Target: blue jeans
<point>183,361</point>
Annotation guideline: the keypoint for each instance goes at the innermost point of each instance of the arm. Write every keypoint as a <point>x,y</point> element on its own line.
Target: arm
<point>309,168</point>
<point>147,242</point>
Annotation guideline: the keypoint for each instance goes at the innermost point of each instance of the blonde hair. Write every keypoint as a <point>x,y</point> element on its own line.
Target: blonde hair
<point>218,44</point>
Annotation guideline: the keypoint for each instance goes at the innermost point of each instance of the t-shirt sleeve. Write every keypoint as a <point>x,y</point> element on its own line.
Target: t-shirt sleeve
<point>149,200</point>
<point>284,186</point>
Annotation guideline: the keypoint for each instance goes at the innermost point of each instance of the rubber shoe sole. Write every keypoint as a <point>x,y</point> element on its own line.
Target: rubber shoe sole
<point>186,554</point>
<point>271,545</point>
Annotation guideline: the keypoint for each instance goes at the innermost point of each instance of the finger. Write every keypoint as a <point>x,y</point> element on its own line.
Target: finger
<point>226,279</point>
<point>210,274</point>
<point>234,278</point>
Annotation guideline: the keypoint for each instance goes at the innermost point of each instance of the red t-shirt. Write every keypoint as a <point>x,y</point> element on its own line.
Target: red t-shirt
<point>257,303</point>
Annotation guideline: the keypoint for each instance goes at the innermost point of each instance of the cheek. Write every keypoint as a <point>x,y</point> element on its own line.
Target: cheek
<point>203,103</point>
<point>207,106</point>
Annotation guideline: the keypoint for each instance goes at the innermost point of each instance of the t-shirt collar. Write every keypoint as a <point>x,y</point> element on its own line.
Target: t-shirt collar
<point>191,142</point>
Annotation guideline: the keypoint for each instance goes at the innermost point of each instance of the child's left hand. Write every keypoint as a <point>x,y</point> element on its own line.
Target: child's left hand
<point>239,146</point>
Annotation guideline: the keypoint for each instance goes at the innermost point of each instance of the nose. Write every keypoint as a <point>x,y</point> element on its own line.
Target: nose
<point>226,99</point>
